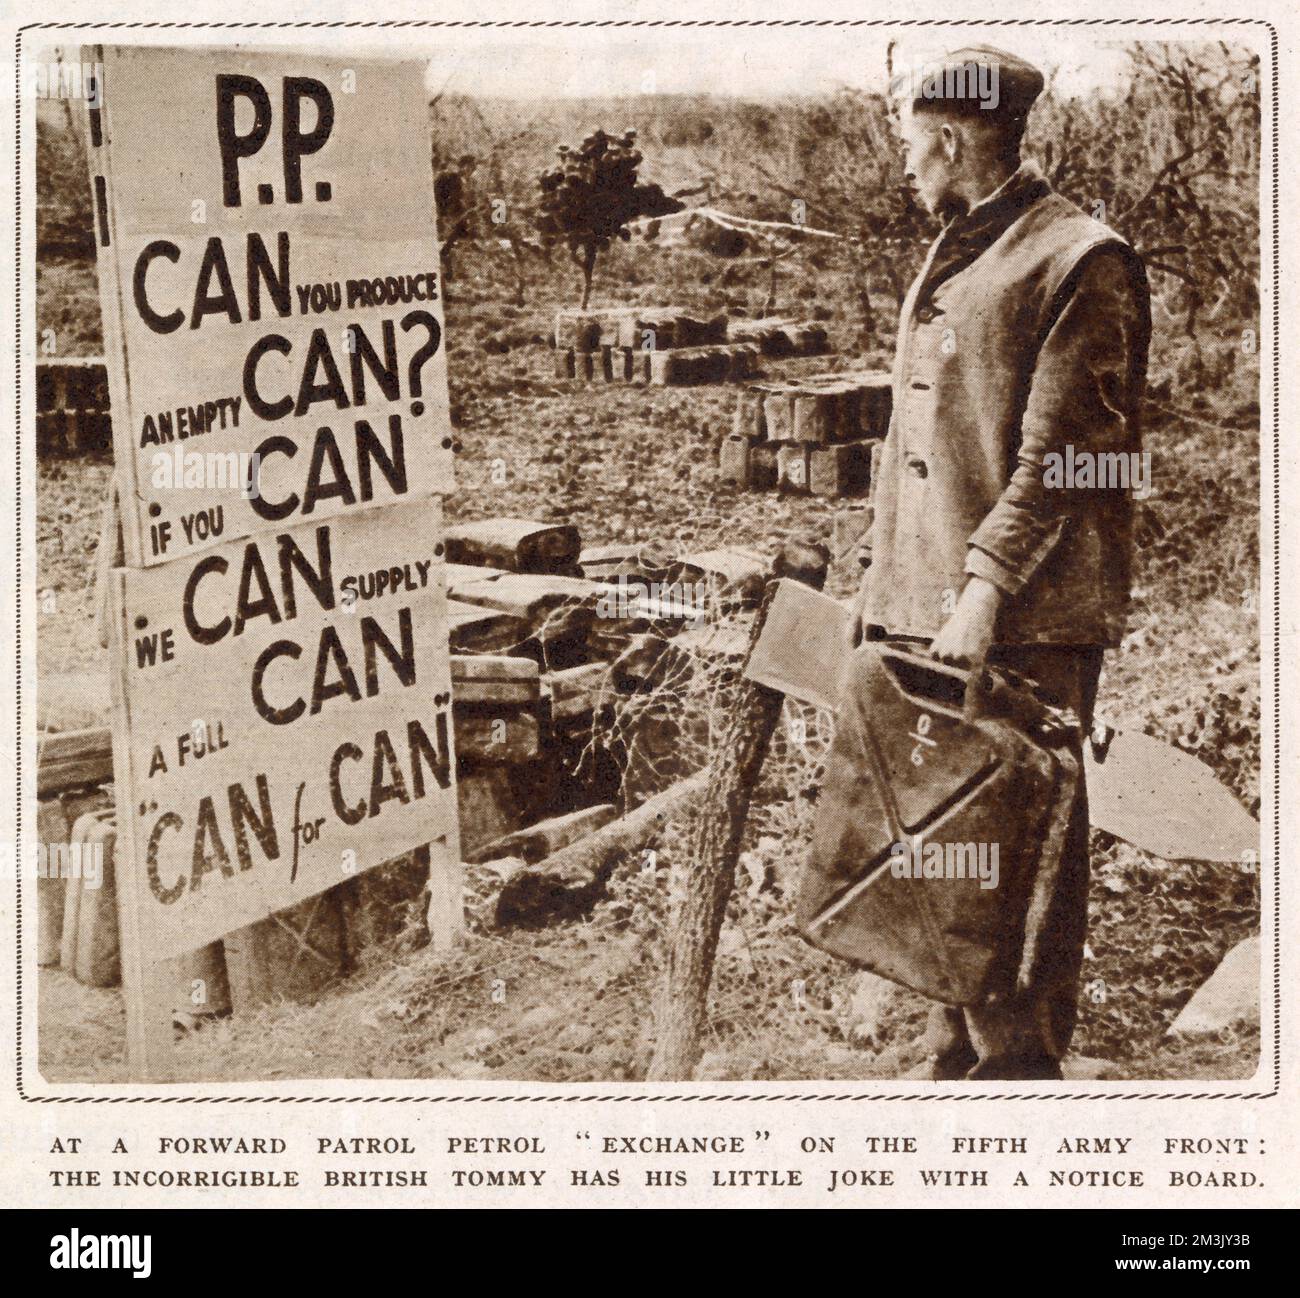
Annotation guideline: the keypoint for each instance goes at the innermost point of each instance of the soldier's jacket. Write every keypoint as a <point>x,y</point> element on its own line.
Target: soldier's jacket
<point>1025,335</point>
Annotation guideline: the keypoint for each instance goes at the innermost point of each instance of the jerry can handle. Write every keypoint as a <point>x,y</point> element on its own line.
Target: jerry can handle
<point>926,681</point>
<point>1000,692</point>
<point>992,692</point>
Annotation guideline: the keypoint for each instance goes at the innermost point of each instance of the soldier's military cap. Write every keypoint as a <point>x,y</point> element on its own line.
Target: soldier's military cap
<point>977,79</point>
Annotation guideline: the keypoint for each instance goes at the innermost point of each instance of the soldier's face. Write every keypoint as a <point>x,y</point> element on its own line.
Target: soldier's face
<point>927,167</point>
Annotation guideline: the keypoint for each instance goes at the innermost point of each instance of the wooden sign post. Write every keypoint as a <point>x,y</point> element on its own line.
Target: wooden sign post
<point>269,279</point>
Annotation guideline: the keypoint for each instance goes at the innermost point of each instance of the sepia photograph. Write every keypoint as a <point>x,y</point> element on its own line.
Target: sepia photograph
<point>648,555</point>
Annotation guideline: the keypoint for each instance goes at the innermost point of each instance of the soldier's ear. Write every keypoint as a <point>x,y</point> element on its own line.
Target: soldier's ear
<point>950,140</point>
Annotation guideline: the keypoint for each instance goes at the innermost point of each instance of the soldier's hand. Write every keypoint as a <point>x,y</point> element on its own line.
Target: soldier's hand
<point>965,638</point>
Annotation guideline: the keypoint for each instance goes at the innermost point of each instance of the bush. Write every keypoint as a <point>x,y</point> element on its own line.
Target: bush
<point>589,199</point>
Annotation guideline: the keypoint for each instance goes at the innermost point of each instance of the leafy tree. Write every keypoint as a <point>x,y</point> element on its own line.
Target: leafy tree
<point>590,196</point>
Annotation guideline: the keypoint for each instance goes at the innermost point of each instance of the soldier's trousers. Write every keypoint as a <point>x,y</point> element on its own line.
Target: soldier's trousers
<point>1026,1038</point>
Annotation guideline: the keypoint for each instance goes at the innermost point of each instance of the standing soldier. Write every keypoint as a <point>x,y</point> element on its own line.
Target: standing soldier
<point>1025,334</point>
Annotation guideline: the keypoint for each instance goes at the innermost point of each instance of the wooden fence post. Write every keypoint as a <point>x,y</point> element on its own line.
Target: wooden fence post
<point>708,869</point>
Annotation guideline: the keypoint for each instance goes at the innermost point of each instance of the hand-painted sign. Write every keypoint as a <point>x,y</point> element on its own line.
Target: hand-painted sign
<point>283,718</point>
<point>270,284</point>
